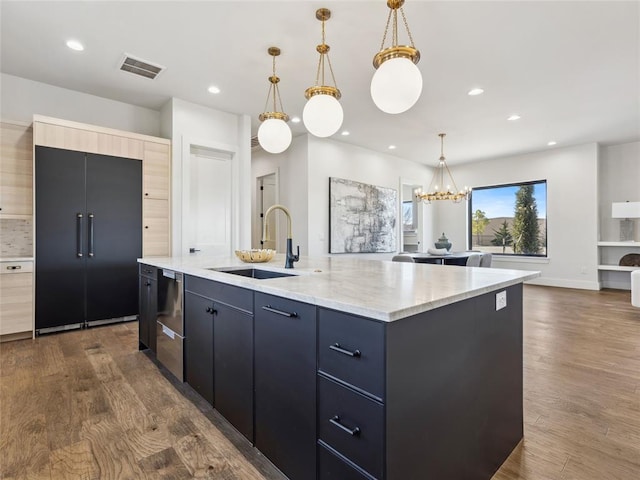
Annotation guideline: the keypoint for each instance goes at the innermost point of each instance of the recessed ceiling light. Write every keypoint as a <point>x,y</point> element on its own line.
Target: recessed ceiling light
<point>552,143</point>
<point>345,133</point>
<point>475,91</point>
<point>514,117</point>
<point>213,89</point>
<point>295,119</point>
<point>392,147</point>
<point>75,45</point>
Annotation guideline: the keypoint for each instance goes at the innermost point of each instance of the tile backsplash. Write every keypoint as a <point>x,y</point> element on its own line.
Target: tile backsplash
<point>16,237</point>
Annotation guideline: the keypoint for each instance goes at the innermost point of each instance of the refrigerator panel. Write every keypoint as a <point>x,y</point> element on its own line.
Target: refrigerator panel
<point>113,236</point>
<point>60,228</point>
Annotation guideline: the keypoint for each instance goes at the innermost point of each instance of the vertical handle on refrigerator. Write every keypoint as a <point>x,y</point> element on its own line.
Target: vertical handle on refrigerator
<point>91,234</point>
<point>79,235</point>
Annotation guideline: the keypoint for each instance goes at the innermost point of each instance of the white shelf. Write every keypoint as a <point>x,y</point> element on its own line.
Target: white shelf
<point>617,268</point>
<point>619,244</point>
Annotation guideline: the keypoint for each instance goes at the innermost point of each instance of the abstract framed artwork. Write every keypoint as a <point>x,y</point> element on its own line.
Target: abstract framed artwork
<point>362,217</point>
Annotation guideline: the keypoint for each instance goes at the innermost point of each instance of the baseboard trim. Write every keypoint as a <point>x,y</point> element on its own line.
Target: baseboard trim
<point>9,337</point>
<point>564,283</point>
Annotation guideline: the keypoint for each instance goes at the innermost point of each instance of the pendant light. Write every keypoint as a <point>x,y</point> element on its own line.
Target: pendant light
<point>274,135</point>
<point>322,114</point>
<point>397,82</point>
<point>437,188</point>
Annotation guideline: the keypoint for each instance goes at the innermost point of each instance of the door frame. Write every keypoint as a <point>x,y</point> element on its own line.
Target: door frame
<point>257,220</point>
<point>226,149</point>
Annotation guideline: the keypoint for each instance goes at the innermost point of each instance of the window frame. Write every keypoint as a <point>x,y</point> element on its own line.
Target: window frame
<point>514,184</point>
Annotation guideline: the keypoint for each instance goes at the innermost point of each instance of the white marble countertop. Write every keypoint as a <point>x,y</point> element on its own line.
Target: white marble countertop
<point>383,290</point>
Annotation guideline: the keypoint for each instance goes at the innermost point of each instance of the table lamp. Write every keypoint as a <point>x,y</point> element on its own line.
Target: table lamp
<point>626,211</point>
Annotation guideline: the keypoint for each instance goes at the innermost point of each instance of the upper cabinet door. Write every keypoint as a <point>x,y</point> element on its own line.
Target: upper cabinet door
<point>16,170</point>
<point>156,166</point>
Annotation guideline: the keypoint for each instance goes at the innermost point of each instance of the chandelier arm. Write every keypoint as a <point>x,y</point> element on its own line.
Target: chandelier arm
<point>318,71</point>
<point>386,29</point>
<point>406,25</point>
<point>452,180</point>
<point>276,92</point>
<point>266,103</point>
<point>331,71</point>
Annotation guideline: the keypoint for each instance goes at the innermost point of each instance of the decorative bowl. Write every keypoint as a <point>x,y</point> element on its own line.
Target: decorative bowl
<point>255,255</point>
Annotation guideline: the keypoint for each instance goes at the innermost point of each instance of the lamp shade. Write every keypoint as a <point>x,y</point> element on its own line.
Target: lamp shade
<point>322,115</point>
<point>274,135</point>
<point>625,210</point>
<point>396,85</point>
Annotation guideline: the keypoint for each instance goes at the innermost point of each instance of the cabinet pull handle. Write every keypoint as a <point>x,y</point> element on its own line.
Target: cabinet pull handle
<point>351,431</point>
<point>269,308</point>
<point>91,234</point>
<point>14,267</point>
<point>211,310</point>
<point>79,235</point>
<point>148,284</point>
<point>337,348</point>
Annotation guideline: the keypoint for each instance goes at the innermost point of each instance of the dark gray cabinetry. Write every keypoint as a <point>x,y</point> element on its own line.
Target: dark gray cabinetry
<point>285,384</point>
<point>219,348</point>
<point>198,349</point>
<point>88,237</point>
<point>148,307</point>
<point>450,402</point>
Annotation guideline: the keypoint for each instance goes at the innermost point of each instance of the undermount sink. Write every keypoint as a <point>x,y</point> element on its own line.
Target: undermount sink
<point>253,273</point>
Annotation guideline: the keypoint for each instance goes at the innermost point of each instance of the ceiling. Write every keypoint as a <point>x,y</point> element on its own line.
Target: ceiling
<point>570,69</point>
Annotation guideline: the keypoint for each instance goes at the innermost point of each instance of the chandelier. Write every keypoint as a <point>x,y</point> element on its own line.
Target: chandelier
<point>274,135</point>
<point>322,114</point>
<point>437,189</point>
<point>397,82</point>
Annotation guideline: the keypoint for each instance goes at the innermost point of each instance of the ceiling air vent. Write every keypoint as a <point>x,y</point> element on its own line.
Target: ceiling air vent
<point>140,67</point>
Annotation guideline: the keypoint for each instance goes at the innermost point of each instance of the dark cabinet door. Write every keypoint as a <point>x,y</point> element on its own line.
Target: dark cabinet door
<point>148,292</point>
<point>198,330</point>
<point>114,235</point>
<point>60,237</point>
<point>233,367</point>
<point>285,384</point>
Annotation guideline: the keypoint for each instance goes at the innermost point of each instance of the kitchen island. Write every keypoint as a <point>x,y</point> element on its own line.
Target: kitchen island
<point>359,369</point>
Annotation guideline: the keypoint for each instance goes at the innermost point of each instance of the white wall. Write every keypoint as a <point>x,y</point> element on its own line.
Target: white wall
<point>291,169</point>
<point>619,182</point>
<point>192,124</point>
<point>304,171</point>
<point>20,99</point>
<point>572,211</point>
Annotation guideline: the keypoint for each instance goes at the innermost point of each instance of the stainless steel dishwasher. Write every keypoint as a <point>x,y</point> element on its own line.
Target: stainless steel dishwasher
<point>170,329</point>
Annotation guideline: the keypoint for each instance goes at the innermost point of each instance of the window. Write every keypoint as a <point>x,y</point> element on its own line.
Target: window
<point>509,219</point>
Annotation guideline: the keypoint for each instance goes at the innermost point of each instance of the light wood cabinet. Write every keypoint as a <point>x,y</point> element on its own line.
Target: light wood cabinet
<point>16,171</point>
<point>156,170</point>
<point>16,299</point>
<point>156,228</point>
<point>154,152</point>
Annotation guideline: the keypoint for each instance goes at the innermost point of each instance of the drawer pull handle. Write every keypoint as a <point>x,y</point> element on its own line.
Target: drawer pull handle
<point>351,431</point>
<point>14,267</point>
<point>268,308</point>
<point>337,348</point>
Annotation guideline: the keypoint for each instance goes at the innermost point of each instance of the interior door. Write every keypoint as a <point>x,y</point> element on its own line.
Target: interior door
<point>207,202</point>
<point>60,237</point>
<point>267,195</point>
<point>114,236</point>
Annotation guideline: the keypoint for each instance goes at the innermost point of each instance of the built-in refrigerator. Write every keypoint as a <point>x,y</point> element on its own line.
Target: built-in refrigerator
<point>88,231</point>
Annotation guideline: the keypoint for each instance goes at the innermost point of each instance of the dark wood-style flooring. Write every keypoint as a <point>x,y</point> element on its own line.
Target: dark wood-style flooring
<point>87,405</point>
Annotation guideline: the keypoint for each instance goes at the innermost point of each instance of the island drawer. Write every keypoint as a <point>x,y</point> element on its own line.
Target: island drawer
<point>221,292</point>
<point>148,270</point>
<point>332,467</point>
<point>352,424</point>
<point>351,349</point>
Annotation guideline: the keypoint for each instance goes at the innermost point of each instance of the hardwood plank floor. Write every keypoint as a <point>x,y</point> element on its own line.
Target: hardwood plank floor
<point>87,405</point>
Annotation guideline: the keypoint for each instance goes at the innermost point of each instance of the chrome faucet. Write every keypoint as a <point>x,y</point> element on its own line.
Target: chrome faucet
<point>290,256</point>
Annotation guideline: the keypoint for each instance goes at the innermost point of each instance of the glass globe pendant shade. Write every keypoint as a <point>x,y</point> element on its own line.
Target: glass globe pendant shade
<point>396,85</point>
<point>274,135</point>
<point>322,115</point>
